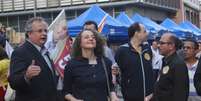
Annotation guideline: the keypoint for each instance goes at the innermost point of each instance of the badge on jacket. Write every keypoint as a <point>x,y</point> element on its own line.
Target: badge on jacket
<point>147,56</point>
<point>166,69</point>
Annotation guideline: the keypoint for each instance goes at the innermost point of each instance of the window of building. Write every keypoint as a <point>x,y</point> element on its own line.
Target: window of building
<point>47,17</point>
<point>22,22</point>
<point>70,15</point>
<point>41,3</point>
<point>117,11</point>
<point>7,5</point>
<point>3,20</point>
<point>29,4</point>
<point>55,14</point>
<point>18,4</point>
<point>65,2</point>
<point>187,13</point>
<point>13,22</point>
<point>79,12</point>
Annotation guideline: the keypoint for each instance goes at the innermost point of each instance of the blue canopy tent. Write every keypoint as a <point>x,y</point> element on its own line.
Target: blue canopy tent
<point>124,19</point>
<point>113,29</point>
<point>153,28</point>
<point>174,28</point>
<point>157,26</point>
<point>188,25</point>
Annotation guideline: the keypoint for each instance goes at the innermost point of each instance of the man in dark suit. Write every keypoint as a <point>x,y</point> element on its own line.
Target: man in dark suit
<point>32,74</point>
<point>173,81</point>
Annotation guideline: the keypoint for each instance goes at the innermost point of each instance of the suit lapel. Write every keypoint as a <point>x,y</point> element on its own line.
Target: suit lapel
<point>36,54</point>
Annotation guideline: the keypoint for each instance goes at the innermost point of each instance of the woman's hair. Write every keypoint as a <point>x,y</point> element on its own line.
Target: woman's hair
<point>98,50</point>
<point>3,53</point>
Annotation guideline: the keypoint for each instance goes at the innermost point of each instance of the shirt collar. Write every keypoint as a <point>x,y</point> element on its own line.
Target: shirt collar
<point>132,48</point>
<point>194,66</point>
<point>42,50</point>
<point>36,46</point>
<point>169,58</point>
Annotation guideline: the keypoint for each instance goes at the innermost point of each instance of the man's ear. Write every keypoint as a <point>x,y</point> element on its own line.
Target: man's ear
<point>135,33</point>
<point>28,34</point>
<point>172,46</point>
<point>197,51</point>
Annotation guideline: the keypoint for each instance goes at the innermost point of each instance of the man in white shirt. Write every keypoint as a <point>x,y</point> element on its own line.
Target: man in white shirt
<point>156,59</point>
<point>190,49</point>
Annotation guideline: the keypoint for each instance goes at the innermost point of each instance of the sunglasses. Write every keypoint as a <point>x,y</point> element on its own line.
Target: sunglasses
<point>40,30</point>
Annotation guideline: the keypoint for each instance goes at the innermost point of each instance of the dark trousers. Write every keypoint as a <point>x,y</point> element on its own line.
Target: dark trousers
<point>60,95</point>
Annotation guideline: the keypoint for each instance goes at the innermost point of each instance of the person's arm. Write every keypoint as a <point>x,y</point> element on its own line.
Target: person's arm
<point>197,78</point>
<point>112,88</point>
<point>67,89</point>
<point>18,67</point>
<point>181,82</point>
<point>113,96</point>
<point>118,56</point>
<point>109,72</point>
<point>70,97</point>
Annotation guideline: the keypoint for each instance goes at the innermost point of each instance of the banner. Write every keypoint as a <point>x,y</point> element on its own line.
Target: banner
<point>8,49</point>
<point>102,23</point>
<point>58,43</point>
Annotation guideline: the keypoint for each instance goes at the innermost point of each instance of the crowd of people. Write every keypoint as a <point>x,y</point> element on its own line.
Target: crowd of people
<point>167,69</point>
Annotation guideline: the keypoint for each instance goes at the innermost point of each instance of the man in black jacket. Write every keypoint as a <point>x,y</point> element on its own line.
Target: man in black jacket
<point>197,78</point>
<point>173,82</point>
<point>135,62</point>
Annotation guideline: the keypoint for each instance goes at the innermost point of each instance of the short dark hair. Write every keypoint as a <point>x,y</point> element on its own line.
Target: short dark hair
<point>196,45</point>
<point>135,27</point>
<point>176,41</point>
<point>98,51</point>
<point>91,23</point>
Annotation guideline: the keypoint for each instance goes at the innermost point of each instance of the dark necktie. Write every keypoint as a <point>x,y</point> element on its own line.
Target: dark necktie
<point>52,67</point>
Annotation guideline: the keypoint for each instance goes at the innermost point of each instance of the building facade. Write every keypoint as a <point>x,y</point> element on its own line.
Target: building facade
<point>14,13</point>
<point>191,11</point>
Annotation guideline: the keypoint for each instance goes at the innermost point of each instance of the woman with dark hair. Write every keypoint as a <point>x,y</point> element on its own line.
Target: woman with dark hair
<point>87,75</point>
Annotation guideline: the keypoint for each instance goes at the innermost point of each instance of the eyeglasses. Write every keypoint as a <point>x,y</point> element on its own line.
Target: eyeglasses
<point>40,30</point>
<point>162,43</point>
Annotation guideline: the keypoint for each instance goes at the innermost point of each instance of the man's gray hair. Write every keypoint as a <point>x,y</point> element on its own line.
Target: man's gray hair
<point>28,26</point>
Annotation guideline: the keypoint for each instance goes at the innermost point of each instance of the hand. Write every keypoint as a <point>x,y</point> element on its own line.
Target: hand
<point>76,100</point>
<point>32,70</point>
<point>70,97</point>
<point>114,97</point>
<point>148,98</point>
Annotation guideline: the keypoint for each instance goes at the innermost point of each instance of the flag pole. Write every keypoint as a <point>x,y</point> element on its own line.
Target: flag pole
<point>34,8</point>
